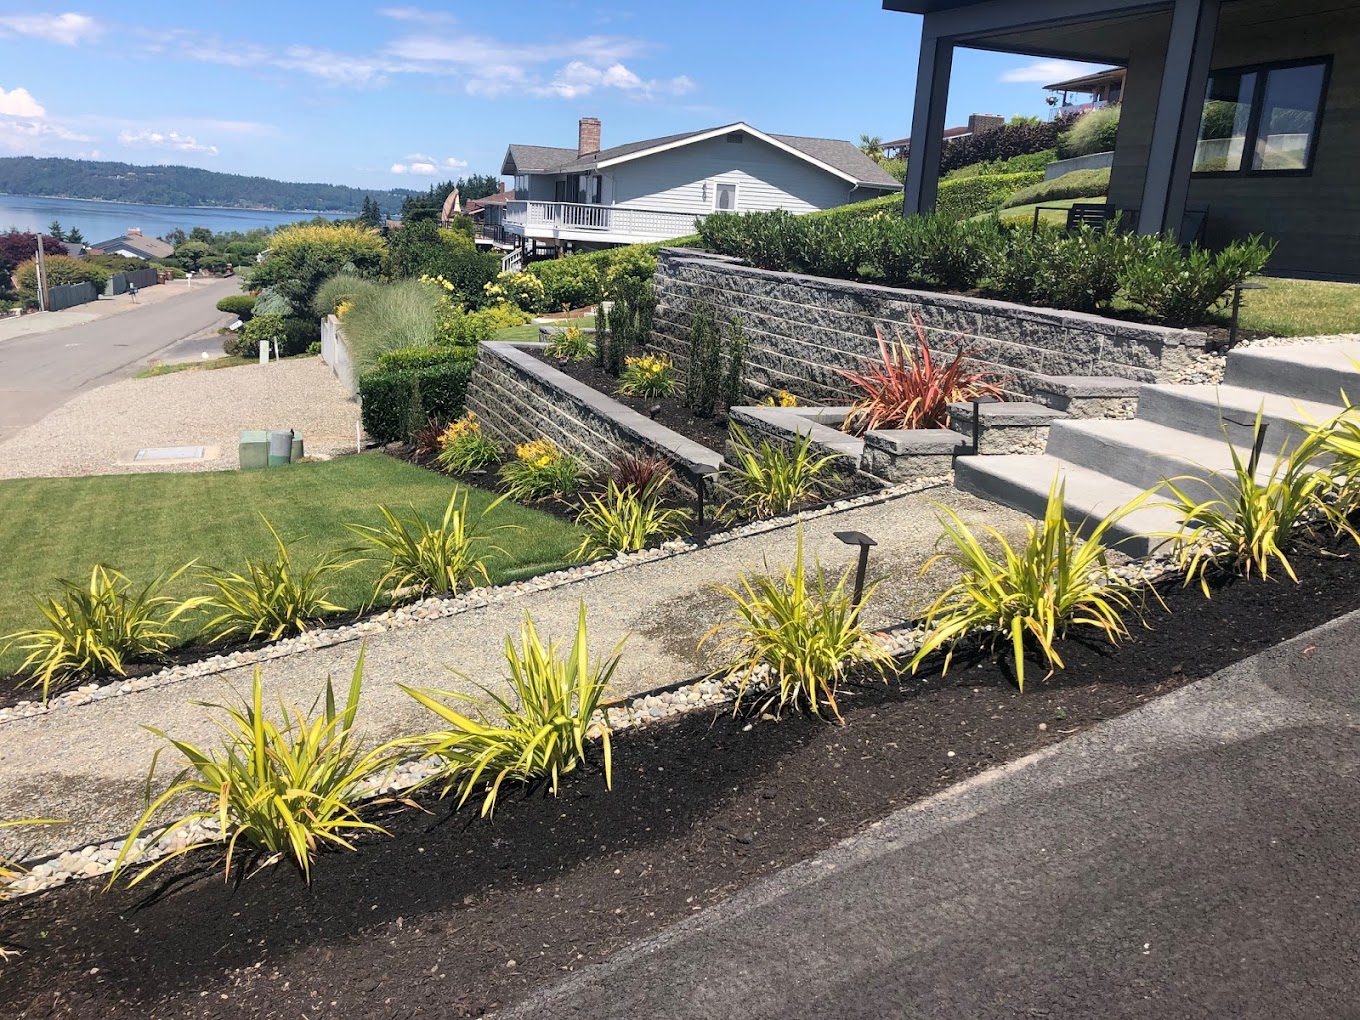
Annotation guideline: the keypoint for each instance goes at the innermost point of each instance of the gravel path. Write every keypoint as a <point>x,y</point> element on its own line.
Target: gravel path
<point>88,764</point>
<point>101,430</point>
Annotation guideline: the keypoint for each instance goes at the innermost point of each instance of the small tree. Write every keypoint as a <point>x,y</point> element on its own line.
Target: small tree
<point>54,228</point>
<point>74,236</point>
<point>192,253</point>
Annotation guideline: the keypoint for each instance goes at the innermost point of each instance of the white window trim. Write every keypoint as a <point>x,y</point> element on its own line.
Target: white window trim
<point>736,195</point>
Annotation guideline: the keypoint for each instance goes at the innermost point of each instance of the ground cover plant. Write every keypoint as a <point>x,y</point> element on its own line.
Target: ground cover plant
<point>539,733</point>
<point>798,634</point>
<point>278,790</point>
<point>212,517</point>
<point>1027,597</point>
<point>908,389</point>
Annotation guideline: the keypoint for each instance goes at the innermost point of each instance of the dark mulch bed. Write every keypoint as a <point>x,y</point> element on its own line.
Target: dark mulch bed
<point>454,916</point>
<point>710,432</point>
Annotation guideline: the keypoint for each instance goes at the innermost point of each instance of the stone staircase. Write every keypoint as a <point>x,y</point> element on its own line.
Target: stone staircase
<point>1179,430</point>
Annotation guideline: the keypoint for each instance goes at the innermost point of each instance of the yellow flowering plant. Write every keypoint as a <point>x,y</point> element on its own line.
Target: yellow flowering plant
<point>541,468</point>
<point>464,447</point>
<point>647,375</point>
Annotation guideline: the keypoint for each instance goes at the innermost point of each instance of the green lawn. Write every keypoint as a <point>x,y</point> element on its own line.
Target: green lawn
<point>1302,307</point>
<point>1054,210</point>
<point>529,331</point>
<point>145,524</point>
<point>195,366</point>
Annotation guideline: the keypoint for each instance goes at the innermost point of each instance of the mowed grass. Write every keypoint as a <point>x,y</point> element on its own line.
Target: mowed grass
<point>529,331</point>
<point>1289,307</point>
<point>1054,211</point>
<point>146,524</point>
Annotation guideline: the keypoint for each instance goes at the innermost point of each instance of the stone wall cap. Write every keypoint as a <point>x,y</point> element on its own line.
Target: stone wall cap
<point>915,441</point>
<point>1087,385</point>
<point>787,419</point>
<point>1015,412</point>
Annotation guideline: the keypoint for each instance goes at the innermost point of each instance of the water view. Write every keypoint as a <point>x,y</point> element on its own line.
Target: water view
<point>98,221</point>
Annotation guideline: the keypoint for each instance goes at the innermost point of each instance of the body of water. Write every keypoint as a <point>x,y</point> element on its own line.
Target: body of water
<point>100,221</point>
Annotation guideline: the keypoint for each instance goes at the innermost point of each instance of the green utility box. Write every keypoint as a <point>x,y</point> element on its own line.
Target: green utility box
<point>254,450</point>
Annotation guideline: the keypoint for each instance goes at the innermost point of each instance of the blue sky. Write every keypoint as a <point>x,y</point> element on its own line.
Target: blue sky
<point>394,96</point>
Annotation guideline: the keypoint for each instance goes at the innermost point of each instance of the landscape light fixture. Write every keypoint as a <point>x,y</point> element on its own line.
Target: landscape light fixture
<point>1237,308</point>
<point>865,543</point>
<point>698,476</point>
<point>653,411</point>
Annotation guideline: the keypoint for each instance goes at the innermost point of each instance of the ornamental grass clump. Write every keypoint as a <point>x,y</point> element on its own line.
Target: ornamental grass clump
<point>97,628</point>
<point>571,344</point>
<point>272,598</point>
<point>542,731</point>
<point>909,389</point>
<point>772,478</point>
<point>541,468</point>
<point>1027,596</point>
<point>463,446</point>
<point>1245,527</point>
<point>432,559</point>
<point>639,472</point>
<point>800,634</point>
<point>283,789</point>
<point>625,520</point>
<point>647,375</point>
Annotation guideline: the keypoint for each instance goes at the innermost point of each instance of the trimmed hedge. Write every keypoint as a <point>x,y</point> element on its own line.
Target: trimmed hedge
<point>1006,142</point>
<point>395,402</point>
<point>966,197</point>
<point>425,356</point>
<point>1077,184</point>
<point>240,305</point>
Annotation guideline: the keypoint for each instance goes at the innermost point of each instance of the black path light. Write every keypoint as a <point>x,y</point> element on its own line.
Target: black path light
<point>698,476</point>
<point>865,543</point>
<point>1237,308</point>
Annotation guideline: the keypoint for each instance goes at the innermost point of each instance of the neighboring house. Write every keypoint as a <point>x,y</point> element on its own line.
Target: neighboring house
<point>1246,109</point>
<point>135,245</point>
<point>73,248</point>
<point>489,215</point>
<point>1089,92</point>
<point>900,148</point>
<point>654,190</point>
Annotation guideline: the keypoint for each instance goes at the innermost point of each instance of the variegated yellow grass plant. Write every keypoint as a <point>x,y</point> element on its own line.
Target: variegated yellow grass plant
<point>540,731</point>
<point>622,519</point>
<point>284,788</point>
<point>798,632</point>
<point>1030,595</point>
<point>97,628</point>
<point>432,559</point>
<point>772,478</point>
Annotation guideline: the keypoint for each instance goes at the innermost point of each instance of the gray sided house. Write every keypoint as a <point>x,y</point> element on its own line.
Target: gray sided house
<point>1243,113</point>
<point>654,190</point>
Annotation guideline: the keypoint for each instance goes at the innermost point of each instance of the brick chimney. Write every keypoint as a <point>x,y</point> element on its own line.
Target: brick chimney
<point>588,139</point>
<point>980,122</point>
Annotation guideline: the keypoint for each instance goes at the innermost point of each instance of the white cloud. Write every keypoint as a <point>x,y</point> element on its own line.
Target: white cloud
<point>173,140</point>
<point>1041,72</point>
<point>415,14</point>
<point>67,29</point>
<point>455,164</point>
<point>19,102</point>
<point>427,166</point>
<point>579,78</point>
<point>34,135</point>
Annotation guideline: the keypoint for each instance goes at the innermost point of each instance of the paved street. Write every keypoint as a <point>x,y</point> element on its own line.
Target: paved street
<point>41,371</point>
<point>1194,858</point>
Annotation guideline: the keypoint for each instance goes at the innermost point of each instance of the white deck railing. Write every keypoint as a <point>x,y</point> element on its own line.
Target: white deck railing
<point>653,224</point>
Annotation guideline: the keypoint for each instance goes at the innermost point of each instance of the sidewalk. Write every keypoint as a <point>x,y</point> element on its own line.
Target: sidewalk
<point>88,764</point>
<point>47,322</point>
<point>1193,858</point>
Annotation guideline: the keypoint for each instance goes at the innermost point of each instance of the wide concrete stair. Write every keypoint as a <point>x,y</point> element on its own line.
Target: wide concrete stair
<point>1181,433</point>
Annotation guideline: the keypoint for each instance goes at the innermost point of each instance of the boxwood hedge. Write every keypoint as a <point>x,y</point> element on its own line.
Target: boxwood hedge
<point>396,401</point>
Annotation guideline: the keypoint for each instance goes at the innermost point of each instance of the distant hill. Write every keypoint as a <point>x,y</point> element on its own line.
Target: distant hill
<point>179,185</point>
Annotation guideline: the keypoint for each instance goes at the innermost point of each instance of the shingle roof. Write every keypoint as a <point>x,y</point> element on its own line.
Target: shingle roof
<point>844,156</point>
<point>151,247</point>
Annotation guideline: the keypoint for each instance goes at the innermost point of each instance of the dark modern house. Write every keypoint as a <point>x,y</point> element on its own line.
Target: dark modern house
<point>1248,110</point>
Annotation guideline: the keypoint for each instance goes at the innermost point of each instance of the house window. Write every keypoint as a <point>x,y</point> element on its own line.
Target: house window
<point>521,186</point>
<point>1262,119</point>
<point>725,198</point>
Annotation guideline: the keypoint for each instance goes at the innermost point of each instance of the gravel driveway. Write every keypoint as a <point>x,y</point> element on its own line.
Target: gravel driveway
<point>101,430</point>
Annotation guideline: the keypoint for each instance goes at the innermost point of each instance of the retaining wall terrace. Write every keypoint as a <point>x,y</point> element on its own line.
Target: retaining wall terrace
<point>519,398</point>
<point>802,329</point>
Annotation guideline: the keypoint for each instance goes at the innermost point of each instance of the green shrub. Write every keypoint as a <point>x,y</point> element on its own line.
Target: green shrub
<point>518,290</point>
<point>391,400</point>
<point>577,281</point>
<point>95,629</point>
<point>421,249</point>
<point>60,270</point>
<point>1092,132</point>
<point>968,196</point>
<point>542,734</point>
<point>302,257</point>
<point>1179,288</point>
<point>625,519</point>
<point>271,301</point>
<point>773,478</point>
<point>282,790</point>
<point>1020,137</point>
<point>1016,164</point>
<point>240,305</point>
<point>338,290</point>
<point>704,368</point>
<point>464,447</point>
<point>571,344</point>
<point>647,375</point>
<point>1078,271</point>
<point>424,356</point>
<point>1077,184</point>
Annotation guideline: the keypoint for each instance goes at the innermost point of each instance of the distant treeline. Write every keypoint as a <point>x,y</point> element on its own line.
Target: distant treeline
<point>180,186</point>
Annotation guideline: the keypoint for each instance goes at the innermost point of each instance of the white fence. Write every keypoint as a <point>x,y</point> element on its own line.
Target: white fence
<point>336,354</point>
<point>643,224</point>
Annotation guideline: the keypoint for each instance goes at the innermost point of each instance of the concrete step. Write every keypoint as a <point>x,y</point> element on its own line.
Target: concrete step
<point>1317,372</point>
<point>1023,482</point>
<point>1214,411</point>
<point>1144,454</point>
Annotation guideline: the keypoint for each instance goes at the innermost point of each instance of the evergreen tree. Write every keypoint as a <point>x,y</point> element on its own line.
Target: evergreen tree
<point>55,232</point>
<point>75,236</point>
<point>371,214</point>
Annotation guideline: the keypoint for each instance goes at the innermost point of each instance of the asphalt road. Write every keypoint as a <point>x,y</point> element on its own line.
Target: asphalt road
<point>40,372</point>
<point>1194,858</point>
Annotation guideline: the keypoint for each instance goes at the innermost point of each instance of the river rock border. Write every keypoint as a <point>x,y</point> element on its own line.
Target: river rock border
<point>440,608</point>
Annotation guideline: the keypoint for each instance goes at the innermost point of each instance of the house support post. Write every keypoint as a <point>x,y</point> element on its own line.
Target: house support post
<point>927,124</point>
<point>1180,103</point>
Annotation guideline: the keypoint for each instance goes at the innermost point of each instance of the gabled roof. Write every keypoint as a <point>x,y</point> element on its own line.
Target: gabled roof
<point>150,247</point>
<point>835,156</point>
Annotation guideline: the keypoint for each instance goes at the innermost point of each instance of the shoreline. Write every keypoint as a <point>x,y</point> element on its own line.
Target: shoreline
<point>204,208</point>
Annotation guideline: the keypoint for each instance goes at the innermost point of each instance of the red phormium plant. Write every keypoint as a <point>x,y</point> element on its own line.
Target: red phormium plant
<point>641,473</point>
<point>909,389</point>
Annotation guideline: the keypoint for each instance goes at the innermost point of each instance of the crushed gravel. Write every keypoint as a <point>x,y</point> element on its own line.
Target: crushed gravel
<point>101,430</point>
<point>1208,367</point>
